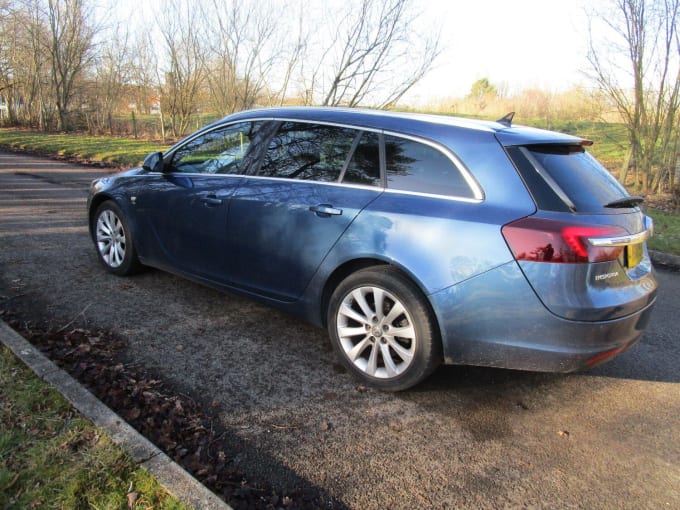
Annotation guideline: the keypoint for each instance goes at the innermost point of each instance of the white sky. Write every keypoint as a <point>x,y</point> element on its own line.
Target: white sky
<point>515,43</point>
<point>520,43</point>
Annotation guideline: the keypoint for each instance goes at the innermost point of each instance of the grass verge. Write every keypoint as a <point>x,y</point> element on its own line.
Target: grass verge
<point>666,231</point>
<point>118,151</point>
<point>50,457</point>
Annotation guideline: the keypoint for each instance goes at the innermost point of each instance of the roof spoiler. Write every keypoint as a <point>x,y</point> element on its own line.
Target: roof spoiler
<point>506,120</point>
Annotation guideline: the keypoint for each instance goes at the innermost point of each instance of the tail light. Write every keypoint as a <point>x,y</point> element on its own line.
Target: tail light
<point>544,240</point>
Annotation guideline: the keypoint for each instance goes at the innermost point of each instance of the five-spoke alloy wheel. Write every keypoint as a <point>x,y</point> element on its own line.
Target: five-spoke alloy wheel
<point>383,330</point>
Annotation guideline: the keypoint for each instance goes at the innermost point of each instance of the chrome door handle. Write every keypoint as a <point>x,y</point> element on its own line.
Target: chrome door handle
<point>325,210</point>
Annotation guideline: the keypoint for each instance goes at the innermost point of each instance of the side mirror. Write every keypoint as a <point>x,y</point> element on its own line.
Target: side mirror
<point>153,162</point>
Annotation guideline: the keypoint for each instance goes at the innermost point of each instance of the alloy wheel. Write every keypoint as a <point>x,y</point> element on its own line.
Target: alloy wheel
<point>376,332</point>
<point>111,241</point>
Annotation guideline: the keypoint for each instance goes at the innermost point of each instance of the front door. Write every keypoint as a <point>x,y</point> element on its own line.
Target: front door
<point>185,209</point>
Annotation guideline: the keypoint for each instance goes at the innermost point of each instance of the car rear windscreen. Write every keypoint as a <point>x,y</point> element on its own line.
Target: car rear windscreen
<point>584,181</point>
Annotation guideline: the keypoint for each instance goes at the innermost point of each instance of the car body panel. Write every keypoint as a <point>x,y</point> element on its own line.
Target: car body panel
<point>180,218</point>
<point>276,242</point>
<point>514,329</point>
<point>427,237</point>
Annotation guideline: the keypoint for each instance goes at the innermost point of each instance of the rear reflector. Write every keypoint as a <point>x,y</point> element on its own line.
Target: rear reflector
<point>543,240</point>
<point>606,355</point>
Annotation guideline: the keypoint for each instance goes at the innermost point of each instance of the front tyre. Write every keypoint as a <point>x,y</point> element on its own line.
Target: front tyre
<point>382,328</point>
<point>113,240</point>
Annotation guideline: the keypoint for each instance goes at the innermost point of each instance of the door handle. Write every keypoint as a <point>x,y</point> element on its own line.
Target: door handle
<point>211,201</point>
<point>325,210</point>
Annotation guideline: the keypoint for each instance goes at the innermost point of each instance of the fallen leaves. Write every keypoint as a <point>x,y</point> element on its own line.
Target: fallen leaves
<point>175,423</point>
<point>132,499</point>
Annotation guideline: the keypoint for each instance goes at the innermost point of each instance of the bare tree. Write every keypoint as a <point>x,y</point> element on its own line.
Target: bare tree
<point>292,55</point>
<point>144,73</point>
<point>212,55</point>
<point>9,49</point>
<point>242,53</point>
<point>376,56</point>
<point>186,56</point>
<point>644,37</point>
<point>69,48</point>
<point>113,71</point>
<point>24,66</point>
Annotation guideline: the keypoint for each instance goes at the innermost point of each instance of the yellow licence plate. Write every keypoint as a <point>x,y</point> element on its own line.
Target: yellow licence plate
<point>633,255</point>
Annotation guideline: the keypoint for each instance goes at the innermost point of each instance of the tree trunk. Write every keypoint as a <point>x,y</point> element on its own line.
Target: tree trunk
<point>675,183</point>
<point>623,175</point>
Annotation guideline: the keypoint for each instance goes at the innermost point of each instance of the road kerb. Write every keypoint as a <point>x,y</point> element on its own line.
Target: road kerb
<point>176,480</point>
<point>665,259</point>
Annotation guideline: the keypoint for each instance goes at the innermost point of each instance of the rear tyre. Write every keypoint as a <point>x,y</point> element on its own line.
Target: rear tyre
<point>382,328</point>
<point>113,240</point>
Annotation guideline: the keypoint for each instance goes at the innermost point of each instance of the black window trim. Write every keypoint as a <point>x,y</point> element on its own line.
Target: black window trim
<point>350,154</point>
<point>477,191</point>
<point>548,178</point>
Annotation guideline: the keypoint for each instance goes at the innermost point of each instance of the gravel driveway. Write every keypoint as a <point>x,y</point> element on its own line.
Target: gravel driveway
<point>467,437</point>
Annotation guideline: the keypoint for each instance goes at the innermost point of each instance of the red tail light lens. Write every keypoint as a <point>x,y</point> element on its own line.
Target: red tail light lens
<point>543,240</point>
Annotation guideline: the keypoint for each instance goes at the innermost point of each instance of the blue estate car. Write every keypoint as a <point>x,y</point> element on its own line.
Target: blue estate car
<point>415,239</point>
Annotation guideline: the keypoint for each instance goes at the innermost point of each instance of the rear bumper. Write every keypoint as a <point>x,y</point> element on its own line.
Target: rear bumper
<point>496,320</point>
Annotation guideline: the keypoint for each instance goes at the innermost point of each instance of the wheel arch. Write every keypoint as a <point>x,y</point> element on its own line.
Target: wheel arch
<point>99,199</point>
<point>96,201</point>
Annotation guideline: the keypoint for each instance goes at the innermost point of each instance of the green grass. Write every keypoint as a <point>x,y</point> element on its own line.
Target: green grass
<point>610,140</point>
<point>666,231</point>
<point>122,151</point>
<point>50,457</point>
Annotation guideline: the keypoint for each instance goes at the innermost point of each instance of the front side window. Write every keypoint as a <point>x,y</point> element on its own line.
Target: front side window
<point>221,151</point>
<point>308,152</point>
<point>415,166</point>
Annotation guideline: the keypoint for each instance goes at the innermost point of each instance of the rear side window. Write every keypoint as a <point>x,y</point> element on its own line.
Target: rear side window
<point>415,166</point>
<point>584,181</point>
<point>308,152</point>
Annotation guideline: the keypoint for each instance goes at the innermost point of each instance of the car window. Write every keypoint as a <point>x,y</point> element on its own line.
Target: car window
<point>307,151</point>
<point>221,151</point>
<point>580,176</point>
<point>364,165</point>
<point>415,166</point>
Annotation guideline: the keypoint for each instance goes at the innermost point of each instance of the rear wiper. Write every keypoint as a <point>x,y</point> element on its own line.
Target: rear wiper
<point>631,201</point>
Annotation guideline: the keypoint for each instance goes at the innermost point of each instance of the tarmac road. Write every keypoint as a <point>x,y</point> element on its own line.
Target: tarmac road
<point>467,437</point>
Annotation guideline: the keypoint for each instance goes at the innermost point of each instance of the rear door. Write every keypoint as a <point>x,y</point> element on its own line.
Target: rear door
<point>311,183</point>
